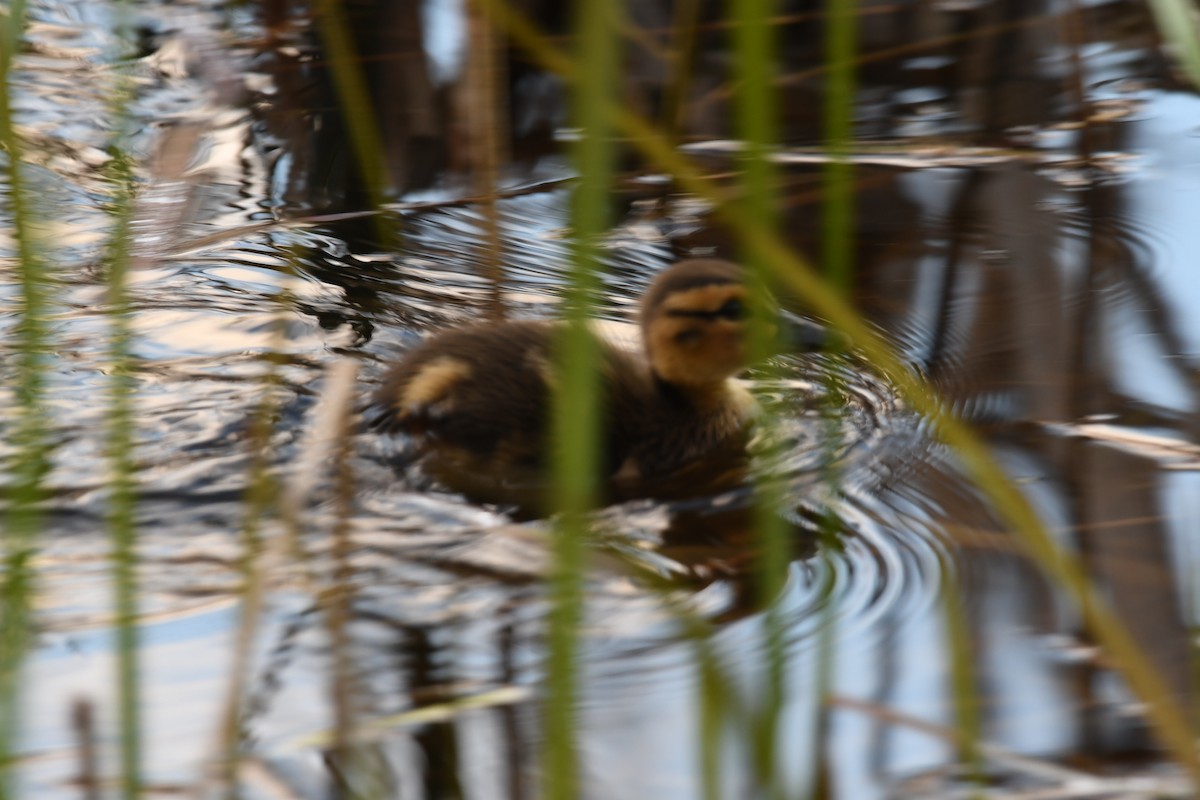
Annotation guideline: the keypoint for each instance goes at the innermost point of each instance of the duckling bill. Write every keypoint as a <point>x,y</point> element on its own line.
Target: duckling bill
<point>477,399</point>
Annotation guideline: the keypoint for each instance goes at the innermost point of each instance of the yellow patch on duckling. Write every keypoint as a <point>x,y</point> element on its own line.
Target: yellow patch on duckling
<point>703,299</point>
<point>434,382</point>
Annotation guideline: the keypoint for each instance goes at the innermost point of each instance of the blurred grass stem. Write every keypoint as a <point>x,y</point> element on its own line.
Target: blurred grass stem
<point>1177,23</point>
<point>357,110</point>
<point>756,115</point>
<point>122,499</point>
<point>486,125</point>
<point>840,43</point>
<point>965,696</point>
<point>122,387</point>
<point>575,418</point>
<point>29,435</point>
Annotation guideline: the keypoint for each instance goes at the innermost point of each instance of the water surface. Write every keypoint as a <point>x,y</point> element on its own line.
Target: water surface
<point>1037,271</point>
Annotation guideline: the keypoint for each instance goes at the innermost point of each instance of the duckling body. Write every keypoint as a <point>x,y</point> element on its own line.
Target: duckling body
<point>478,399</point>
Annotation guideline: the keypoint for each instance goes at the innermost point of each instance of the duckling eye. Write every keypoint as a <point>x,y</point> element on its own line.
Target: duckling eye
<point>732,310</point>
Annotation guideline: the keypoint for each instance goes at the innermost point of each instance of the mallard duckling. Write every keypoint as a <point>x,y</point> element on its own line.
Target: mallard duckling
<point>477,399</point>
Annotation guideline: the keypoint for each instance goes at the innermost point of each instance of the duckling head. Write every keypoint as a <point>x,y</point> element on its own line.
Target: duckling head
<point>694,319</point>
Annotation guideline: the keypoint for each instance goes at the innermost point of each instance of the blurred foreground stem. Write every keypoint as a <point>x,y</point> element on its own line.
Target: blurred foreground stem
<point>756,106</point>
<point>122,387</point>
<point>575,418</point>
<point>28,436</point>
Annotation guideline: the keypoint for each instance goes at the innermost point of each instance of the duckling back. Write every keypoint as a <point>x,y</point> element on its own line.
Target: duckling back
<point>481,396</point>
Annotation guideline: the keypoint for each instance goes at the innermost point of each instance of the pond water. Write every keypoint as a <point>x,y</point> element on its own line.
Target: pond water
<point>1035,267</point>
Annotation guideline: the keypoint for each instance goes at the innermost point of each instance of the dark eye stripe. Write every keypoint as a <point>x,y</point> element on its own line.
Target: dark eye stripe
<point>732,310</point>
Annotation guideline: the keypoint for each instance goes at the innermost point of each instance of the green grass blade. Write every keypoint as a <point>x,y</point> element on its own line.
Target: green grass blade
<point>840,52</point>
<point>756,115</point>
<point>837,253</point>
<point>29,435</point>
<point>714,714</point>
<point>355,101</point>
<point>122,499</point>
<point>1177,23</point>
<point>964,694</point>
<point>575,423</point>
<point>120,445</point>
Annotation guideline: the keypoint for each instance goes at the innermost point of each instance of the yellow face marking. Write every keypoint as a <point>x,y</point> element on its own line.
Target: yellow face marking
<point>433,382</point>
<point>703,299</point>
<point>688,343</point>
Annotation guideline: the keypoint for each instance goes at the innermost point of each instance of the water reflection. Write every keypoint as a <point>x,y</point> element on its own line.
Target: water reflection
<point>1047,297</point>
